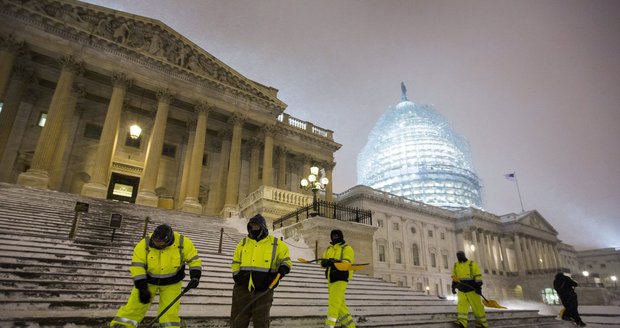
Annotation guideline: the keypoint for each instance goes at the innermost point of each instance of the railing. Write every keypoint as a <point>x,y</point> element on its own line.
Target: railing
<point>304,125</point>
<point>328,210</point>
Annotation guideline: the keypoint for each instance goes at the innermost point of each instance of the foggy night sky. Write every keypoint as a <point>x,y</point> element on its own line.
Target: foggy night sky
<point>533,85</point>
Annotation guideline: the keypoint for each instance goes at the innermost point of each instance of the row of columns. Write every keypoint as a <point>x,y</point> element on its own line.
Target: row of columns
<point>491,252</point>
<point>54,138</point>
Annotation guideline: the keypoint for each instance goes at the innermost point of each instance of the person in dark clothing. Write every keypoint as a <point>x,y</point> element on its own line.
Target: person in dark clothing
<point>565,287</point>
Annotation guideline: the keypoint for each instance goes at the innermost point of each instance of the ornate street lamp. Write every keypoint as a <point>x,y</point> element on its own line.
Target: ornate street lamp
<point>614,278</point>
<point>314,183</point>
<point>135,131</point>
<point>586,274</point>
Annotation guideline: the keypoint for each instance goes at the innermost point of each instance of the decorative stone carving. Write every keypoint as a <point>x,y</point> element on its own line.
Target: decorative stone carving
<point>202,107</point>
<point>120,80</point>
<point>237,119</point>
<point>164,95</point>
<point>23,72</point>
<point>71,64</point>
<point>269,129</point>
<point>10,44</point>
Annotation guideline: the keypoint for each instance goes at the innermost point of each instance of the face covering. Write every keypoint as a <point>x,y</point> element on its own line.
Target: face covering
<point>256,234</point>
<point>461,257</point>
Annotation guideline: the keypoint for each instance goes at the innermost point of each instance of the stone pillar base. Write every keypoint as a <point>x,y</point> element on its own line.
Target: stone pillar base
<point>191,205</point>
<point>94,190</point>
<point>229,211</point>
<point>147,198</point>
<point>34,178</point>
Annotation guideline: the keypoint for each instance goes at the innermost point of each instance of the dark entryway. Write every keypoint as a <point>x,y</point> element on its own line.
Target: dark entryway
<point>123,187</point>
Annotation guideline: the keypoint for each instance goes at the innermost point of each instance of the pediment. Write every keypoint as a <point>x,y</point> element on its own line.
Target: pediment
<point>535,220</point>
<point>145,37</point>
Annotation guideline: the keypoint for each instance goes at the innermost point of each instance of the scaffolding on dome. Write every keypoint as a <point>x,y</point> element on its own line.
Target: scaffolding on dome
<point>413,152</point>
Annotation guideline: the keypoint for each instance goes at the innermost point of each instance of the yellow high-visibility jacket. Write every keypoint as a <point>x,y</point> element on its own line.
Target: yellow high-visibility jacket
<point>255,263</point>
<point>340,252</point>
<point>164,266</point>
<point>466,275</point>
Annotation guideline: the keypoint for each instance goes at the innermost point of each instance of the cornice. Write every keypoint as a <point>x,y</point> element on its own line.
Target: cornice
<point>286,129</point>
<point>145,41</point>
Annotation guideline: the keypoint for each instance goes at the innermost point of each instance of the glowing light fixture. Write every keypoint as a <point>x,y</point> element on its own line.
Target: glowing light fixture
<point>135,131</point>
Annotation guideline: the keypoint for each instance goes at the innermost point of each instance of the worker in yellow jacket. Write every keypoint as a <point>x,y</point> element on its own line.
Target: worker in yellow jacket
<point>158,265</point>
<point>258,259</point>
<point>337,281</point>
<point>466,277</point>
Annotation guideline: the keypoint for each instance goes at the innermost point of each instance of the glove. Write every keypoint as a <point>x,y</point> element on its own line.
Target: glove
<point>454,284</point>
<point>145,296</point>
<point>327,263</point>
<point>283,270</point>
<point>478,287</point>
<point>195,278</point>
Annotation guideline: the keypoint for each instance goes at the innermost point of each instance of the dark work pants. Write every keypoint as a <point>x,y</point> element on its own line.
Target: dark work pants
<point>570,304</point>
<point>258,312</point>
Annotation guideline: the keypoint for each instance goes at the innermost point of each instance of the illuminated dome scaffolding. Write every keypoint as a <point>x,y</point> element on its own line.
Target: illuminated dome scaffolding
<point>413,152</point>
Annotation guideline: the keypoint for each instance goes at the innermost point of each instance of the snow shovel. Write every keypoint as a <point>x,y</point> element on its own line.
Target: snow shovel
<point>257,296</point>
<point>152,322</point>
<point>485,301</point>
<point>342,266</point>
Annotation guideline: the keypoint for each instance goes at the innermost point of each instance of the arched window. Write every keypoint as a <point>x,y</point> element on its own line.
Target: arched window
<point>415,251</point>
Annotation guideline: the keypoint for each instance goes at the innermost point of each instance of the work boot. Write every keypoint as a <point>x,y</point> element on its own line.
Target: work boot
<point>459,324</point>
<point>581,324</point>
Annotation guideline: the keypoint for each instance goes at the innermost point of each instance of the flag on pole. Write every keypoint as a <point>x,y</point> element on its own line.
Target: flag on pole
<point>510,176</point>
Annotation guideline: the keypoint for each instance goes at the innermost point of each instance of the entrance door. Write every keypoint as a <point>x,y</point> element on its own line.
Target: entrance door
<point>123,187</point>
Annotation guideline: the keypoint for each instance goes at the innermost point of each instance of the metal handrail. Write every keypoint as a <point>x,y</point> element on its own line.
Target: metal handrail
<point>330,210</point>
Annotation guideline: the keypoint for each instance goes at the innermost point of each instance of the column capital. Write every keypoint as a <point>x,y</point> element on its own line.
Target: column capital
<point>120,80</point>
<point>78,91</point>
<point>24,72</point>
<point>328,165</point>
<point>281,150</point>
<point>269,129</point>
<point>237,119</point>
<point>254,142</point>
<point>10,44</point>
<point>306,159</point>
<point>202,107</point>
<point>164,95</point>
<point>72,64</point>
<point>32,94</point>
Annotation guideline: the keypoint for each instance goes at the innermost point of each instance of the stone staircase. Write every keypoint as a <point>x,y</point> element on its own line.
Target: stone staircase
<point>48,280</point>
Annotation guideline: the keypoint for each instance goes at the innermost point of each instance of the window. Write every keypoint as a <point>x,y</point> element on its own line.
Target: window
<point>380,223</point>
<point>418,286</point>
<point>92,131</point>
<point>397,257</point>
<point>1,104</point>
<point>396,226</point>
<point>204,160</point>
<point>603,265</point>
<point>444,257</point>
<point>381,253</point>
<point>169,150</point>
<point>443,236</point>
<point>42,119</point>
<point>416,254</point>
<point>430,233</point>
<point>433,260</point>
<point>413,230</point>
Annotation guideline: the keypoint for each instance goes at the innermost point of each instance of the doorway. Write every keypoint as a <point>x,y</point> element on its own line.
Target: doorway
<point>123,187</point>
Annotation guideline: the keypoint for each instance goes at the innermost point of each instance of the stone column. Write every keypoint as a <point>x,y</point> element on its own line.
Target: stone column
<point>217,201</point>
<point>234,168</point>
<point>533,255</point>
<point>521,266</point>
<point>97,187</point>
<point>57,169</point>
<point>23,76</point>
<point>9,49</point>
<point>254,158</point>
<point>38,174</point>
<point>556,256</point>
<point>7,160</point>
<point>191,204</point>
<point>329,189</point>
<point>148,183</point>
<point>187,158</point>
<point>281,152</point>
<point>269,131</point>
<point>502,247</point>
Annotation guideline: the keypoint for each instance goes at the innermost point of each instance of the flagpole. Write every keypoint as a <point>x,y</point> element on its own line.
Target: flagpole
<point>519,192</point>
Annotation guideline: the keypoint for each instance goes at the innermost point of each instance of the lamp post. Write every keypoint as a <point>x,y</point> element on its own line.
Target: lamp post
<point>135,131</point>
<point>614,278</point>
<point>314,183</point>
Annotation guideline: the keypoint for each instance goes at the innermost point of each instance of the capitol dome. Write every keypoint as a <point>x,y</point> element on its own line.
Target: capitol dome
<point>413,152</point>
